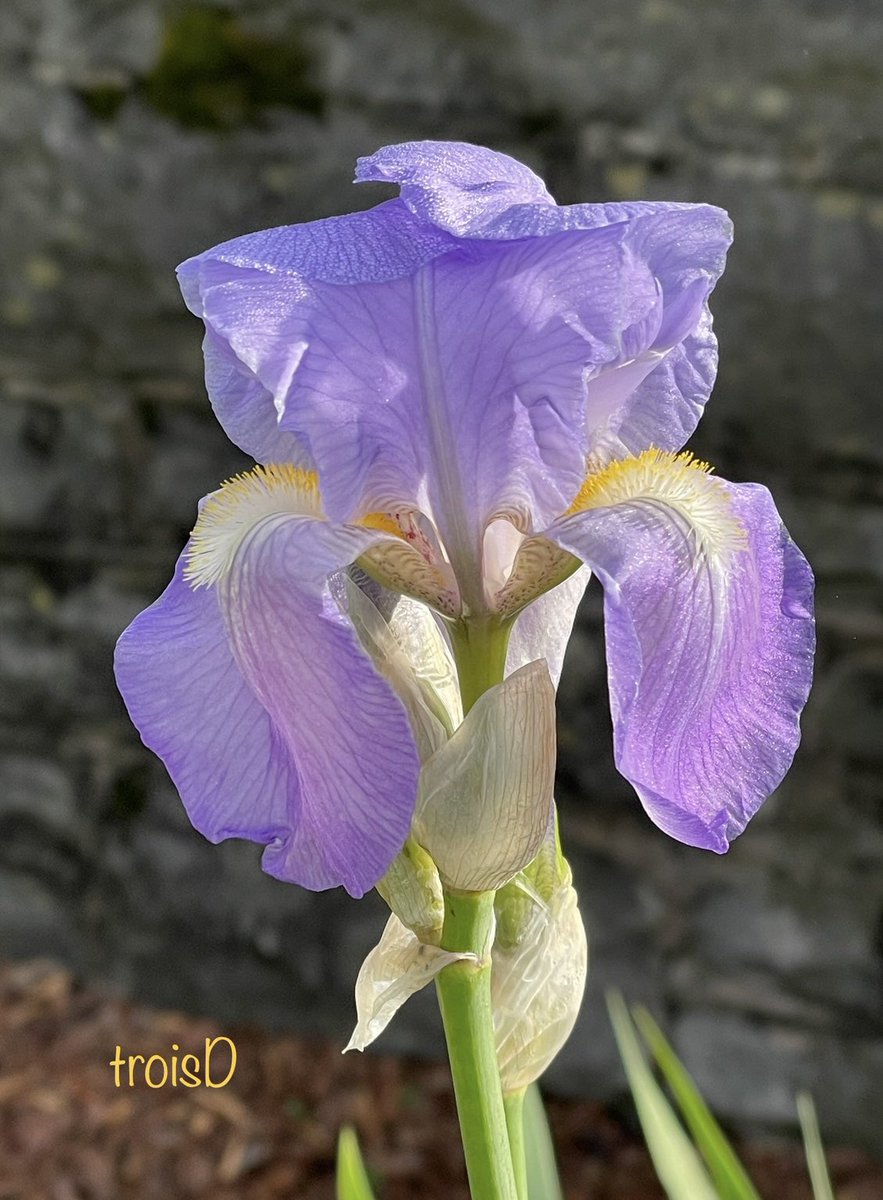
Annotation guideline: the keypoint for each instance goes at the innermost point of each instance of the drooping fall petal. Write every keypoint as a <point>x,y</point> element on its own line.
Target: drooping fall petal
<point>250,683</point>
<point>708,618</point>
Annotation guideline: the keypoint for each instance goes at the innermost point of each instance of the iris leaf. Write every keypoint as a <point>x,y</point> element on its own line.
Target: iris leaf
<point>812,1142</point>
<point>728,1174</point>
<point>542,1172</point>
<point>677,1164</point>
<point>352,1181</point>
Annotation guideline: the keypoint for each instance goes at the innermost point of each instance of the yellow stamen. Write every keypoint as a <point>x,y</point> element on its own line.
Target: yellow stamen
<point>238,505</point>
<point>679,482</point>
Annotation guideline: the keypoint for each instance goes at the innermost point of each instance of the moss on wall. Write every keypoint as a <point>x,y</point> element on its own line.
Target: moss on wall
<point>213,73</point>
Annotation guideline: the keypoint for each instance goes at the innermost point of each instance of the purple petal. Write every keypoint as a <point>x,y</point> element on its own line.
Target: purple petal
<point>453,185</point>
<point>709,663</point>
<point>245,408</point>
<point>395,356</point>
<point>385,243</point>
<point>464,383</point>
<point>668,379</point>
<point>271,720</point>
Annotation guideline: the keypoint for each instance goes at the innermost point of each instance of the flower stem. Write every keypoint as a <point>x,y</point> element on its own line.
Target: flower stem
<point>480,645</point>
<point>464,993</point>
<point>513,1103</point>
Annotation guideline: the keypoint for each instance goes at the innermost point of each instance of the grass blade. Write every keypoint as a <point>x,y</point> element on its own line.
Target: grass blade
<point>542,1171</point>
<point>677,1164</point>
<point>352,1178</point>
<point>729,1175</point>
<point>812,1143</point>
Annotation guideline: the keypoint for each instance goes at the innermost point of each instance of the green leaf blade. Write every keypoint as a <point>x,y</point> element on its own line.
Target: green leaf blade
<point>730,1177</point>
<point>352,1182</point>
<point>812,1143</point>
<point>542,1171</point>
<point>678,1166</point>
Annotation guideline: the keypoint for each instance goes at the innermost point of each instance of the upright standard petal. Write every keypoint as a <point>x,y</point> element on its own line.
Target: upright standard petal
<point>454,185</point>
<point>708,616</point>
<point>459,390</point>
<point>653,396</point>
<point>387,242</point>
<point>488,336</point>
<point>251,685</point>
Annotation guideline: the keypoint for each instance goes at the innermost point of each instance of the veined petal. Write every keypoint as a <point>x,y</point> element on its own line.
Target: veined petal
<point>194,708</point>
<point>459,390</point>
<point>489,335</point>
<point>251,685</point>
<point>387,242</point>
<point>398,966</point>
<point>708,613</point>
<point>454,185</point>
<point>418,632</point>
<point>384,242</point>
<point>486,795</point>
<point>539,566</point>
<point>654,395</point>
<point>245,408</point>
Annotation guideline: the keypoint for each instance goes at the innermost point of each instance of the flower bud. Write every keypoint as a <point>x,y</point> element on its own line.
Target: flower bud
<point>485,796</point>
<point>537,986</point>
<point>412,889</point>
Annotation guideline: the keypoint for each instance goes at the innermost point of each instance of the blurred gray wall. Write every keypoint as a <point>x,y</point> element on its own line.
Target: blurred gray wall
<point>133,134</point>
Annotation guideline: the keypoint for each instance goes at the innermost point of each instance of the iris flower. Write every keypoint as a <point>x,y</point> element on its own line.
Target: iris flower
<point>478,397</point>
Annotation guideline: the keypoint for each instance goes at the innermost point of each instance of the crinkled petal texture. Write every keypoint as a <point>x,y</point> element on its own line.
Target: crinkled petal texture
<point>709,655</point>
<point>272,721</point>
<point>463,348</point>
<point>458,187</point>
<point>654,397</point>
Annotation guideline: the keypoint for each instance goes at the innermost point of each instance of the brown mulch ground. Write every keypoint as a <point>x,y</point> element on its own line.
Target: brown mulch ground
<point>67,1133</point>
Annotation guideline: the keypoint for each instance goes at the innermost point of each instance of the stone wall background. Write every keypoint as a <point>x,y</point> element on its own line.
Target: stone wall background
<point>135,133</point>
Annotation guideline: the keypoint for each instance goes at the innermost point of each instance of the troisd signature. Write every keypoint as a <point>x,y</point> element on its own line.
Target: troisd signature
<point>214,1068</point>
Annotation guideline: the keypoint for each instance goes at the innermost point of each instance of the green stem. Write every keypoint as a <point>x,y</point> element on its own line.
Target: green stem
<point>480,645</point>
<point>513,1103</point>
<point>464,994</point>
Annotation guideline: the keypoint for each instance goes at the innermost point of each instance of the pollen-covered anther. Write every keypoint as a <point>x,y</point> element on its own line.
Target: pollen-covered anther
<point>240,504</point>
<point>677,481</point>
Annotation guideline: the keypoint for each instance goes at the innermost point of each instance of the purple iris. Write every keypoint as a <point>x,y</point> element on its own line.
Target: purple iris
<point>469,391</point>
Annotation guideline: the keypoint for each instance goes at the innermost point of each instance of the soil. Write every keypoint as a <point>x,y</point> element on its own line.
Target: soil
<point>67,1132</point>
